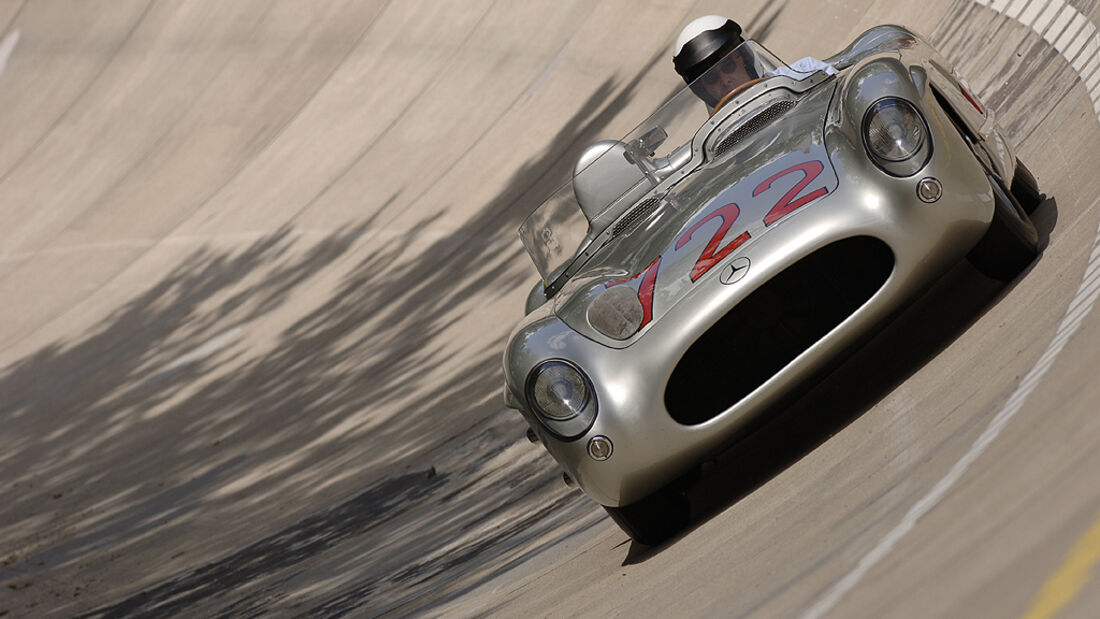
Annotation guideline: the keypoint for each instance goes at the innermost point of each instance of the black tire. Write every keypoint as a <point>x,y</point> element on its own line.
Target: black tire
<point>1011,243</point>
<point>1025,188</point>
<point>655,518</point>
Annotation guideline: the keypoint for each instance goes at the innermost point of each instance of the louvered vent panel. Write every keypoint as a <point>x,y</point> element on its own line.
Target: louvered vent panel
<point>756,123</point>
<point>640,212</point>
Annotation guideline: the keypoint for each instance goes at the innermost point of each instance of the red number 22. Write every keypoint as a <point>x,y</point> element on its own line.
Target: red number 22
<point>728,214</point>
<point>811,169</point>
<point>711,254</point>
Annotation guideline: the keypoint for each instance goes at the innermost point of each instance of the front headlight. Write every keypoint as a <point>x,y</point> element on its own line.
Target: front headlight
<point>896,137</point>
<point>562,397</point>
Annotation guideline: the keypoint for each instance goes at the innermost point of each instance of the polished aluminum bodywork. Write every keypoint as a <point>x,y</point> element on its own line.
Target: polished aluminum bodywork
<point>823,124</point>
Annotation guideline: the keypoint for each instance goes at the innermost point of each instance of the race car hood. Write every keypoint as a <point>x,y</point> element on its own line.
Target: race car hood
<point>707,220</point>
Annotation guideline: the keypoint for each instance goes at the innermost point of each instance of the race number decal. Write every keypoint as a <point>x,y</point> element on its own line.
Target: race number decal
<point>715,252</point>
<point>711,254</point>
<point>785,205</point>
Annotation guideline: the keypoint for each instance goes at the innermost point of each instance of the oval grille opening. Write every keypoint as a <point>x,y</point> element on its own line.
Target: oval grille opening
<point>775,324</point>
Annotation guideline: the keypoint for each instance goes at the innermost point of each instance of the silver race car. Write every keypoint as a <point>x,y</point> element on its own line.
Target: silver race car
<point>717,258</point>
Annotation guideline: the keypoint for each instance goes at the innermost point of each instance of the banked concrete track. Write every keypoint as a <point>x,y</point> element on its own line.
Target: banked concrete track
<point>257,264</point>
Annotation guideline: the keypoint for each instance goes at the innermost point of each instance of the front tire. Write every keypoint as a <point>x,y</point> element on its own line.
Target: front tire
<point>655,518</point>
<point>1025,188</point>
<point>1011,243</point>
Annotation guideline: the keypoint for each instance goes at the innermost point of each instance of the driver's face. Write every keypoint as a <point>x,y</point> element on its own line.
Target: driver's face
<point>724,77</point>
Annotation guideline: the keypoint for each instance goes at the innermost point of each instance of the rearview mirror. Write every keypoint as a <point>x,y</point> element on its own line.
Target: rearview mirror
<point>641,150</point>
<point>647,145</point>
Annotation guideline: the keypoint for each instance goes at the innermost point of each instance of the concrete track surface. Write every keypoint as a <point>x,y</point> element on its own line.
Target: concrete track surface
<point>258,263</point>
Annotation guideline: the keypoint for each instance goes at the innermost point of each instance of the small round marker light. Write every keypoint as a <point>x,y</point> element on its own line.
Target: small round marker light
<point>600,448</point>
<point>929,189</point>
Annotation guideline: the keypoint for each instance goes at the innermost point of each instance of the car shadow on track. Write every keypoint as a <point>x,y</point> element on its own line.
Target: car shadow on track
<point>917,335</point>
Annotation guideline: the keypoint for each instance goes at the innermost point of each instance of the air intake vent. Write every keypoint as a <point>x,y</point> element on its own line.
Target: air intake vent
<point>754,124</point>
<point>641,211</point>
<point>774,324</point>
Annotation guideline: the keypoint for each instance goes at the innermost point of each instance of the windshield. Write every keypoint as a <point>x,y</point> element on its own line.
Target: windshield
<point>746,64</point>
<point>612,175</point>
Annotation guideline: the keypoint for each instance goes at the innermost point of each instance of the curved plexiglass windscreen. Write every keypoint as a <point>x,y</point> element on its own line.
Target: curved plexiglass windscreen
<point>613,174</point>
<point>740,68</point>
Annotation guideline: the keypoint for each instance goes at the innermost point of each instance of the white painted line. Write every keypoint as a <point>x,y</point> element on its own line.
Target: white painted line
<point>1078,43</point>
<point>1032,12</point>
<point>1087,288</point>
<point>1082,310</point>
<point>1087,57</point>
<point>1093,270</point>
<point>1014,9</point>
<point>1076,23</point>
<point>1092,73</point>
<point>7,46</point>
<point>1047,17</point>
<point>1079,307</point>
<point>1090,284</point>
<point>1073,36</point>
<point>1093,83</point>
<point>1065,14</point>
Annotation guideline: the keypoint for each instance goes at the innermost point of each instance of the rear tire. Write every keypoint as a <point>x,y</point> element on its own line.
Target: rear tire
<point>1025,188</point>
<point>655,518</point>
<point>1011,243</point>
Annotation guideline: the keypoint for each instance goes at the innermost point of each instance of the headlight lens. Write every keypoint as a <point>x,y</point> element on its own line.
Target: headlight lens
<point>559,391</point>
<point>896,136</point>
<point>562,397</point>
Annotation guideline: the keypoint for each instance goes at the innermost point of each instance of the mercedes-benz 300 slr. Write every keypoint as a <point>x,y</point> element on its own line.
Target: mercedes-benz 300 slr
<point>700,270</point>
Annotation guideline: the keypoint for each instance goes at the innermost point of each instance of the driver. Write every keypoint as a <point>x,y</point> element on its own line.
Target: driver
<point>700,45</point>
<point>707,42</point>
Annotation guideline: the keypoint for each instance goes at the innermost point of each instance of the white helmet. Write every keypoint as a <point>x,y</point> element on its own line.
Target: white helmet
<point>702,43</point>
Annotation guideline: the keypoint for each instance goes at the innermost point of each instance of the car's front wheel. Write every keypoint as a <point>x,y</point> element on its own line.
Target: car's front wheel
<point>1026,188</point>
<point>1011,243</point>
<point>655,518</point>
